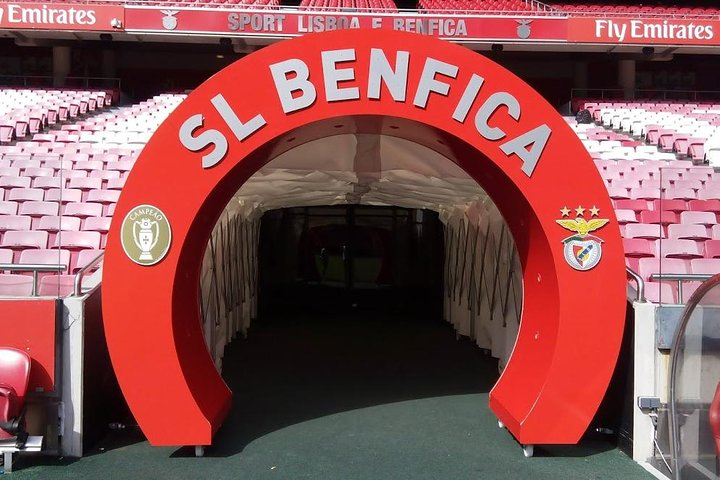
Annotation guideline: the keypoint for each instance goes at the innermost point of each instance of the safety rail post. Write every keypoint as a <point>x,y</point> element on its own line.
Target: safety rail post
<point>640,296</point>
<point>680,278</point>
<point>77,289</point>
<point>34,268</point>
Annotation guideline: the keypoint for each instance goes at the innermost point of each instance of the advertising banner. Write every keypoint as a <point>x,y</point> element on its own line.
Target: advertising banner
<point>289,23</point>
<point>60,16</point>
<point>643,31</point>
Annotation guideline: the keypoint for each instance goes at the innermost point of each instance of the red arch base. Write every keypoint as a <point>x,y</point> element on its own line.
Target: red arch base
<point>572,320</point>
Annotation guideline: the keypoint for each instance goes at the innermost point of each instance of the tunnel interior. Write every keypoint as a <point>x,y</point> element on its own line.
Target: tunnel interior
<point>355,271</point>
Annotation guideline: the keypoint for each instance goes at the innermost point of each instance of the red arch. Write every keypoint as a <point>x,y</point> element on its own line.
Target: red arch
<point>572,320</point>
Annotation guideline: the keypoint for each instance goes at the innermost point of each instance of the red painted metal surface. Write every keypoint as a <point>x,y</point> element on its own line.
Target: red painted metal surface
<point>572,320</point>
<point>29,325</point>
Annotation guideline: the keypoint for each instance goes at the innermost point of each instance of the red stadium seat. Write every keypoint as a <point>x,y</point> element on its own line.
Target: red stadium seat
<point>14,379</point>
<point>638,247</point>
<point>704,205</point>
<point>663,217</point>
<point>672,205</point>
<point>712,248</point>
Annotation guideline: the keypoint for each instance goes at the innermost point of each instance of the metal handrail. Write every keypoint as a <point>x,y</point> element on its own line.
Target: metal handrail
<point>34,268</point>
<point>695,298</point>
<point>680,278</point>
<point>640,296</point>
<point>77,283</point>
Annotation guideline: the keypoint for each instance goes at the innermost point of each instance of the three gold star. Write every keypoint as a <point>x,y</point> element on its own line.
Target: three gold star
<point>580,211</point>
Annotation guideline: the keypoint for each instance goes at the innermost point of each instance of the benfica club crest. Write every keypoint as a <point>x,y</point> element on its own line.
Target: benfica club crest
<point>582,251</point>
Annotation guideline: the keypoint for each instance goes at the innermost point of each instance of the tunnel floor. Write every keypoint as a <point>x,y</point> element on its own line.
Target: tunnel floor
<point>355,393</point>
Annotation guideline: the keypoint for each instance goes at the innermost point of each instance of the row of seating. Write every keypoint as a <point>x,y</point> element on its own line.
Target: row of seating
<point>28,111</point>
<point>687,129</point>
<point>464,6</point>
<point>58,191</point>
<point>603,9</point>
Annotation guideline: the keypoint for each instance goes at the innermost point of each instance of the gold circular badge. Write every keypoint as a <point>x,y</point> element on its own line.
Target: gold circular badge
<point>145,235</point>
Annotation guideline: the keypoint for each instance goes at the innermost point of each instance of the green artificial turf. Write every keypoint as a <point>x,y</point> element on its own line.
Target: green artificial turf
<point>358,395</point>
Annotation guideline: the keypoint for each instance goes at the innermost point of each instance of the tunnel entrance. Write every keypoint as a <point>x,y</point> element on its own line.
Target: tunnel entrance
<point>449,100</point>
<point>351,258</point>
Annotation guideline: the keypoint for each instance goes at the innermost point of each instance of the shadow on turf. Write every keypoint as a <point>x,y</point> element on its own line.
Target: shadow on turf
<point>294,368</point>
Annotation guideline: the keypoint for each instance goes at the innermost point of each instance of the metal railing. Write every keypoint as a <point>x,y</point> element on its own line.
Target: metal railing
<point>52,268</point>
<point>617,94</point>
<point>680,278</point>
<point>77,282</point>
<point>46,81</point>
<point>640,295</point>
<point>35,269</point>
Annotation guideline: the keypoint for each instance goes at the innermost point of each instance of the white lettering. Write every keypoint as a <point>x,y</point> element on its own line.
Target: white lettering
<point>333,75</point>
<point>489,107</point>
<point>382,72</point>
<point>241,130</point>
<point>536,139</point>
<point>428,83</point>
<point>204,140</point>
<point>299,83</point>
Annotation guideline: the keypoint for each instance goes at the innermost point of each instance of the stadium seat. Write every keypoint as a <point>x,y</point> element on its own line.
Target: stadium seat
<point>14,285</point>
<point>56,285</point>
<point>638,247</point>
<point>660,292</point>
<point>700,218</point>
<point>15,182</point>
<point>704,205</point>
<point>46,257</point>
<point>712,248</point>
<point>644,230</point>
<point>20,240</point>
<point>14,380</point>
<point>14,222</point>
<point>690,232</point>
<point>635,205</point>
<point>672,205</point>
<point>26,194</point>
<point>85,257</point>
<point>656,265</point>
<point>663,217</point>
<point>676,248</point>
<point>46,183</point>
<point>706,266</point>
<point>8,207</point>
<point>78,240</point>
<point>84,209</point>
<point>35,210</point>
<point>63,196</point>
